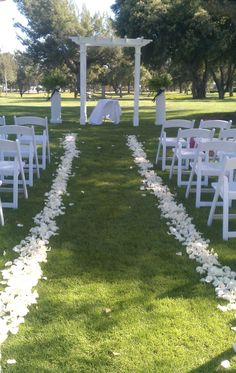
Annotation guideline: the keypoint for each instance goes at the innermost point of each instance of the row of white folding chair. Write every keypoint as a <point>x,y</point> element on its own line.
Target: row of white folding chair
<point>27,147</point>
<point>166,142</point>
<point>225,189</point>
<point>184,150</point>
<point>208,163</point>
<point>215,123</point>
<point>211,159</point>
<point>42,138</point>
<point>12,170</point>
<point>28,151</point>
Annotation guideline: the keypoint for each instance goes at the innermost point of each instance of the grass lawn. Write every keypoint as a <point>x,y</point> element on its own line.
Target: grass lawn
<point>117,299</point>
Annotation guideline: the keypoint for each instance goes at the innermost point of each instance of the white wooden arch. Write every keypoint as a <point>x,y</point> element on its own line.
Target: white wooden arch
<point>95,41</point>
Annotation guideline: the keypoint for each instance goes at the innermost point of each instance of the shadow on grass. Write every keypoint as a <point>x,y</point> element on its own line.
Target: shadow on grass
<point>214,365</point>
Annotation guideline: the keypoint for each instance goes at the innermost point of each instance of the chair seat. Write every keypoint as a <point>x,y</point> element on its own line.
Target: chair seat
<point>7,167</point>
<point>38,138</point>
<point>186,153</point>
<point>211,169</point>
<point>231,192</point>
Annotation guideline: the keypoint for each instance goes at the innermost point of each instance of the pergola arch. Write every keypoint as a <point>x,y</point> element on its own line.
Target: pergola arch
<point>95,41</point>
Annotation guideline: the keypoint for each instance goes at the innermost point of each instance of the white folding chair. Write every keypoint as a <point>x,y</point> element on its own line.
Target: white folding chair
<point>228,134</point>
<point>11,170</point>
<point>41,139</point>
<point>215,123</point>
<point>2,121</point>
<point>208,163</point>
<point>166,141</point>
<point>28,151</point>
<point>225,189</point>
<point>185,151</point>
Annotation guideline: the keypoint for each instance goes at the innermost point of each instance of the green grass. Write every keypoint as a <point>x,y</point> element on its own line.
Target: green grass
<point>113,252</point>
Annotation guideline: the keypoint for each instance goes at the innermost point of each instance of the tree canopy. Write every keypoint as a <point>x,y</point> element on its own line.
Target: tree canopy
<point>192,34</point>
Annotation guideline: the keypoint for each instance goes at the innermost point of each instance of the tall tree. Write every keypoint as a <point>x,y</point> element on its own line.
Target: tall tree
<point>186,33</point>
<point>50,23</point>
<point>7,69</point>
<point>27,72</point>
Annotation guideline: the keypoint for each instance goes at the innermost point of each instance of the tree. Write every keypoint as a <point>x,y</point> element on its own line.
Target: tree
<point>7,69</point>
<point>50,23</point>
<point>54,78</point>
<point>27,72</point>
<point>185,33</point>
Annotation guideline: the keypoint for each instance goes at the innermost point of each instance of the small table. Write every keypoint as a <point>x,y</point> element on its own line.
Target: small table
<point>106,108</point>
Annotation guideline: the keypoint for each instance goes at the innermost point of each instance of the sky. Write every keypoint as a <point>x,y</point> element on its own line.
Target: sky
<point>9,14</point>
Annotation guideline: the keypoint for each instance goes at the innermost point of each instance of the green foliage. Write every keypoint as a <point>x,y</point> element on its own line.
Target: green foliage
<point>53,79</point>
<point>27,72</point>
<point>7,68</point>
<point>194,35</point>
<point>162,80</point>
<point>50,24</point>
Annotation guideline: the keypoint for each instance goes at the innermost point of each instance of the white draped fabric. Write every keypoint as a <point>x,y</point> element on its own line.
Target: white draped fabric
<point>109,109</point>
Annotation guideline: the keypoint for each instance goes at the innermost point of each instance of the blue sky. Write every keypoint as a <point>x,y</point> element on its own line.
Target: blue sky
<point>9,14</point>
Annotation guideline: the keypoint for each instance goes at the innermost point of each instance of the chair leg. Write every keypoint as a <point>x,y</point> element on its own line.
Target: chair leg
<point>158,152</point>
<point>163,158</point>
<point>179,172</point>
<point>189,183</point>
<point>15,190</point>
<point>49,153</point>
<point>172,166</point>
<point>213,207</point>
<point>225,212</point>
<point>44,156</point>
<point>31,169</point>
<point>198,190</point>
<point>1,214</point>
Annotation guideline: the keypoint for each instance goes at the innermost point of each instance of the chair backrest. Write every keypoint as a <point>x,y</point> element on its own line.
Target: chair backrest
<point>215,123</point>
<point>228,169</point>
<point>175,123</point>
<point>9,146</point>
<point>33,121</point>
<point>228,134</point>
<point>178,123</point>
<point>195,133</point>
<point>17,130</point>
<point>218,146</point>
<point>2,121</point>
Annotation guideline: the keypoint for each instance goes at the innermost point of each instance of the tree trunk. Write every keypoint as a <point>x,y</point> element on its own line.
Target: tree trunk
<point>219,81</point>
<point>180,87</point>
<point>5,82</point>
<point>199,80</point>
<point>198,88</point>
<point>231,90</point>
<point>223,79</point>
<point>129,88</point>
<point>103,90</point>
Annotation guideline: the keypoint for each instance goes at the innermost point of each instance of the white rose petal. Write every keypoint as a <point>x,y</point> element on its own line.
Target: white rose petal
<point>11,361</point>
<point>225,364</point>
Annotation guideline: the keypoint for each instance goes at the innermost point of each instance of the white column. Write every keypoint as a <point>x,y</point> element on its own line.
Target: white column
<point>136,85</point>
<point>83,71</point>
<point>160,108</point>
